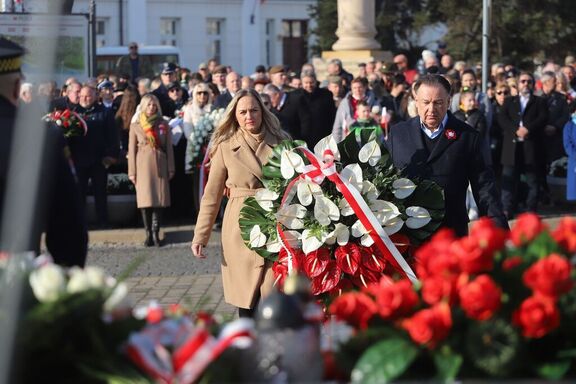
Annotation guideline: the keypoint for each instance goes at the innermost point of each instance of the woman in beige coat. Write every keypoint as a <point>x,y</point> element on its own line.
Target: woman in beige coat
<point>239,147</point>
<point>150,164</point>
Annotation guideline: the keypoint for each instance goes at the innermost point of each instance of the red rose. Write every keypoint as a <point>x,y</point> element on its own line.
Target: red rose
<point>348,257</point>
<point>355,308</point>
<point>433,258</point>
<point>436,289</point>
<point>537,316</point>
<point>550,276</point>
<point>473,259</point>
<point>480,298</point>
<point>490,237</point>
<point>394,299</point>
<point>511,263</point>
<point>565,234</point>
<point>527,227</point>
<point>430,326</point>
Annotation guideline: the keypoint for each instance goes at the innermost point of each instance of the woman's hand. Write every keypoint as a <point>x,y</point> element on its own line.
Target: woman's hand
<point>197,250</point>
<point>132,179</point>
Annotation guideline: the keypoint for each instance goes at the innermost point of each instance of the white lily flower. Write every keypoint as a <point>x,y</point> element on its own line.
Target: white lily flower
<point>403,188</point>
<point>290,163</point>
<point>393,225</point>
<point>327,144</point>
<point>306,191</point>
<point>48,282</point>
<point>257,238</point>
<point>358,230</point>
<point>340,234</point>
<point>369,190</point>
<point>370,153</point>
<point>345,208</point>
<point>265,198</point>
<point>417,217</point>
<point>310,242</point>
<point>325,210</point>
<point>291,215</point>
<point>352,173</point>
<point>383,210</point>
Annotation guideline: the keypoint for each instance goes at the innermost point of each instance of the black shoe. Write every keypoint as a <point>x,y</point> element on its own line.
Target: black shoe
<point>149,241</point>
<point>156,239</point>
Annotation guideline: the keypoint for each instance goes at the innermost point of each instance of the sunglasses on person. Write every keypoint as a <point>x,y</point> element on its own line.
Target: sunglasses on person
<point>174,90</point>
<point>526,81</point>
<point>502,92</point>
<point>201,93</point>
<point>133,47</point>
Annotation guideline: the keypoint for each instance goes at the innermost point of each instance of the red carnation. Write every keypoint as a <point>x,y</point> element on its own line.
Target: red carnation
<point>537,316</point>
<point>316,261</point>
<point>432,257</point>
<point>490,237</point>
<point>565,234</point>
<point>394,299</point>
<point>436,289</point>
<point>473,259</point>
<point>550,276</point>
<point>348,257</point>
<point>527,227</point>
<point>480,298</point>
<point>430,326</point>
<point>355,308</point>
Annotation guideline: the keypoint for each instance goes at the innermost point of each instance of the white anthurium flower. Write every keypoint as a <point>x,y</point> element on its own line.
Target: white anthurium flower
<point>393,225</point>
<point>291,216</point>
<point>257,238</point>
<point>325,211</point>
<point>340,234</point>
<point>352,173</point>
<point>384,210</point>
<point>117,299</point>
<point>48,282</point>
<point>369,190</point>
<point>403,188</point>
<point>370,153</point>
<point>327,144</point>
<point>274,246</point>
<point>290,163</point>
<point>345,208</point>
<point>358,230</point>
<point>417,217</point>
<point>265,198</point>
<point>310,242</point>
<point>293,239</point>
<point>306,191</point>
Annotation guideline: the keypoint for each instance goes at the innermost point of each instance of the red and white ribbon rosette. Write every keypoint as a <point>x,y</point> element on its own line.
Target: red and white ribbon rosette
<point>316,171</point>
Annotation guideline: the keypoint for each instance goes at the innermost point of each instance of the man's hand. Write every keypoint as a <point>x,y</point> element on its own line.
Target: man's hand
<point>197,250</point>
<point>522,132</point>
<point>132,179</point>
<point>108,161</point>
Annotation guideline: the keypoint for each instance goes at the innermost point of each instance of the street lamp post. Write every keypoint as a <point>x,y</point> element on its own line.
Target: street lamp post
<point>486,12</point>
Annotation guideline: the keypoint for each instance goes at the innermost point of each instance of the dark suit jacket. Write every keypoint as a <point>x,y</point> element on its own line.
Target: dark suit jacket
<point>61,103</point>
<point>322,115</point>
<point>222,100</point>
<point>294,115</point>
<point>63,216</point>
<point>558,116</point>
<point>452,164</point>
<point>534,119</point>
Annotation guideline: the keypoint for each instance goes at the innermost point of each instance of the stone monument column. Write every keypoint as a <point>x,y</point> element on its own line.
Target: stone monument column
<point>355,25</point>
<point>356,43</point>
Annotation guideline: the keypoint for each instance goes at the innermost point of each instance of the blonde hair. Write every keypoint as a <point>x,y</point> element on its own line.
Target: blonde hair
<point>201,87</point>
<point>144,101</point>
<point>229,125</point>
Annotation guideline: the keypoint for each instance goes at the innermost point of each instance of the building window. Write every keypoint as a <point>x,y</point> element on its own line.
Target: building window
<point>214,36</point>
<point>270,32</point>
<point>169,31</point>
<point>101,29</point>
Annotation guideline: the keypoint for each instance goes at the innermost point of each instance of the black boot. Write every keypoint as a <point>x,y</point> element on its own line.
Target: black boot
<point>156,226</point>
<point>147,220</point>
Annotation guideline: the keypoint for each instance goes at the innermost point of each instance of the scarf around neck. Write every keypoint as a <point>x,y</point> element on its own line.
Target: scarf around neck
<point>147,124</point>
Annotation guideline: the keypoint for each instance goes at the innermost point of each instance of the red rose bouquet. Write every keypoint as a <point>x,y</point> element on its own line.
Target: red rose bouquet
<point>493,304</point>
<point>71,123</point>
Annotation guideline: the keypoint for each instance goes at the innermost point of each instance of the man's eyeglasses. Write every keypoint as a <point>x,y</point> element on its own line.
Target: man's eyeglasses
<point>201,93</point>
<point>133,47</point>
<point>174,90</point>
<point>502,92</point>
<point>526,81</point>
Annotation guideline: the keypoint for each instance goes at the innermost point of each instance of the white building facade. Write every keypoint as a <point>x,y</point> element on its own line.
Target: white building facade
<point>239,33</point>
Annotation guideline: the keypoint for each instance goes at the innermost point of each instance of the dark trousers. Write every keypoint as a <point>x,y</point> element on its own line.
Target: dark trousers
<point>99,176</point>
<point>511,188</point>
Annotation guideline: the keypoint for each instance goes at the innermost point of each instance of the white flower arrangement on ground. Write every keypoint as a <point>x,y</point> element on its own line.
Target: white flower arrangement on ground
<point>342,215</point>
<point>201,132</point>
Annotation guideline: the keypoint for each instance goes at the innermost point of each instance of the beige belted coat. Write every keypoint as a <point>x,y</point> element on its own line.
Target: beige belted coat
<point>234,165</point>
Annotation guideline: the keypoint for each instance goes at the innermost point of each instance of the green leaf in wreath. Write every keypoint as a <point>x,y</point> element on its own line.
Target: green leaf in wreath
<point>447,363</point>
<point>385,361</point>
<point>554,370</point>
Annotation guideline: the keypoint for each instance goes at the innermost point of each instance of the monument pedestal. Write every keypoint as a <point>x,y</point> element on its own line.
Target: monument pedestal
<point>350,60</point>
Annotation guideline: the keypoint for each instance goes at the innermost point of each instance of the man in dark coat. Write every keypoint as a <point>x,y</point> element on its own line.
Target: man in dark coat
<point>291,109</point>
<point>522,119</point>
<point>169,75</point>
<point>233,84</point>
<point>70,101</point>
<point>438,147</point>
<point>63,218</point>
<point>322,109</point>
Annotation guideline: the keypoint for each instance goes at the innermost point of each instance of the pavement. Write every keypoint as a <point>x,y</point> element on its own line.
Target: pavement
<point>171,275</point>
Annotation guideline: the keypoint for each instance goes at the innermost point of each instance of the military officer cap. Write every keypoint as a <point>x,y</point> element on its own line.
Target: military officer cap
<point>105,84</point>
<point>10,56</point>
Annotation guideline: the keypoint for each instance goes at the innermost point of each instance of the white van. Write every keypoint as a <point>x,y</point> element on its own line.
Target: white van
<point>107,57</point>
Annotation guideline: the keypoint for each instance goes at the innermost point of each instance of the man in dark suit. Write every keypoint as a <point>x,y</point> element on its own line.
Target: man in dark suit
<point>322,109</point>
<point>62,217</point>
<point>291,109</point>
<point>232,86</point>
<point>522,119</point>
<point>70,101</point>
<point>168,76</point>
<point>438,147</point>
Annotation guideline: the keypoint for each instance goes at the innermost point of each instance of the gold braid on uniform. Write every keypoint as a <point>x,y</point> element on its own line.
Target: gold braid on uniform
<point>11,64</point>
